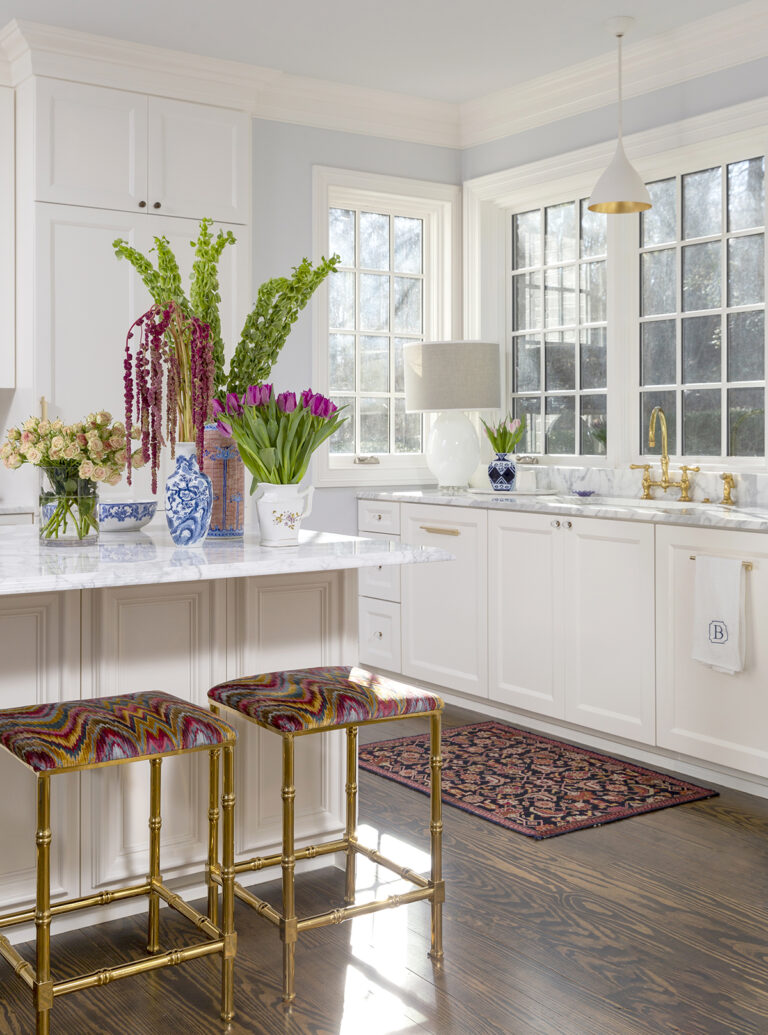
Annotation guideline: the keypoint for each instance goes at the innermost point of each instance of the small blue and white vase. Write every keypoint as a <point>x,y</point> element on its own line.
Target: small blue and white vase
<point>502,472</point>
<point>188,498</point>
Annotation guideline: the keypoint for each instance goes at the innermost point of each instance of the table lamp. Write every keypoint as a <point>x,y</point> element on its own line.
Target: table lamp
<point>450,377</point>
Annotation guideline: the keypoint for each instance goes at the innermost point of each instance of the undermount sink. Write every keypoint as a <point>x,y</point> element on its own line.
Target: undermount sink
<point>656,504</point>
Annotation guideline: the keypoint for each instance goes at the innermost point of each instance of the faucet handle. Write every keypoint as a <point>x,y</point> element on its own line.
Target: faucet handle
<point>639,467</point>
<point>685,482</point>
<point>729,483</point>
<point>646,469</point>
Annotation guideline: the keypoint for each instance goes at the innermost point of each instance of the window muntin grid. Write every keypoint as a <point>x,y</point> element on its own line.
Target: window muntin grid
<point>376,306</point>
<point>559,328</point>
<point>702,310</point>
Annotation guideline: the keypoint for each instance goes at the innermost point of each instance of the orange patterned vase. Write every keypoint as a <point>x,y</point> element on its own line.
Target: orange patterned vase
<point>222,464</point>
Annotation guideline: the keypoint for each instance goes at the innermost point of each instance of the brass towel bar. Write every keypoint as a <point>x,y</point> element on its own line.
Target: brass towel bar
<point>747,564</point>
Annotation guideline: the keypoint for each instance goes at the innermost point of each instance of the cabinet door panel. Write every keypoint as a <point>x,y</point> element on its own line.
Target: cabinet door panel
<point>198,160</point>
<point>40,648</point>
<point>91,145</point>
<point>7,252</point>
<point>609,627</point>
<point>703,713</point>
<point>163,638</point>
<point>85,302</point>
<point>285,622</point>
<point>445,606</point>
<point>525,611</point>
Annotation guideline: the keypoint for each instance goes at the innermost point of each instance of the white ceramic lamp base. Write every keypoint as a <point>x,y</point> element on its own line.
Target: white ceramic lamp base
<point>453,450</point>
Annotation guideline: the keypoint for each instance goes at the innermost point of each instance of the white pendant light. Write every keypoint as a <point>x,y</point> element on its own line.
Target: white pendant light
<point>620,188</point>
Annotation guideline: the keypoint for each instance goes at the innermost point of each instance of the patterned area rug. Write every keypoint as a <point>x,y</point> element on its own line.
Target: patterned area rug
<point>531,784</point>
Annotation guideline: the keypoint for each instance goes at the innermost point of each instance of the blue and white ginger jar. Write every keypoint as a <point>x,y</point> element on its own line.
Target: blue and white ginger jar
<point>188,498</point>
<point>503,472</point>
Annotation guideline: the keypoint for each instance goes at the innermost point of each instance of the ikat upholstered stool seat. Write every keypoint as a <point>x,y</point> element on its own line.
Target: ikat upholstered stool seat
<point>72,736</point>
<point>316,700</point>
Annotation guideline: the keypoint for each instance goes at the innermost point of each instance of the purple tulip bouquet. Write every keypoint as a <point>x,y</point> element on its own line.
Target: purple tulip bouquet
<point>277,435</point>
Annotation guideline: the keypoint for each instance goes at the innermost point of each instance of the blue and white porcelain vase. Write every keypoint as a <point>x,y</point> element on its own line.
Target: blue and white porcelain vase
<point>188,498</point>
<point>502,472</point>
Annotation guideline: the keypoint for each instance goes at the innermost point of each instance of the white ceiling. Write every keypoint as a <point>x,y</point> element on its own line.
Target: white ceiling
<point>448,50</point>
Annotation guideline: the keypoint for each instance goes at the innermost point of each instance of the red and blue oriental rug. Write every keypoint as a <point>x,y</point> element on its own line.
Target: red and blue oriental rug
<point>531,784</point>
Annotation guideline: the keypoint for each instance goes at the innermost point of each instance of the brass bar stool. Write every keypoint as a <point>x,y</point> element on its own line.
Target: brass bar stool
<point>315,700</point>
<point>78,735</point>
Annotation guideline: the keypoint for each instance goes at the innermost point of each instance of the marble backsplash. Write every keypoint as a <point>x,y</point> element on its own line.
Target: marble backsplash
<point>751,490</point>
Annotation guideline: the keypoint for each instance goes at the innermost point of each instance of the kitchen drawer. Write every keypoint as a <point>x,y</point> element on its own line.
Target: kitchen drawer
<point>382,582</point>
<point>379,633</point>
<point>26,519</point>
<point>378,516</point>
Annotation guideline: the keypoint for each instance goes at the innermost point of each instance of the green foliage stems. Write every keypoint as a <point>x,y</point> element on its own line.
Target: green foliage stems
<point>267,326</point>
<point>505,435</point>
<point>163,281</point>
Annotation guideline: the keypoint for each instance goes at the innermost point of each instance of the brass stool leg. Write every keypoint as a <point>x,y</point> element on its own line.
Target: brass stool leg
<point>351,832</point>
<point>213,835</point>
<point>43,987</point>
<point>228,885</point>
<point>436,836</point>
<point>155,823</point>
<point>288,927</point>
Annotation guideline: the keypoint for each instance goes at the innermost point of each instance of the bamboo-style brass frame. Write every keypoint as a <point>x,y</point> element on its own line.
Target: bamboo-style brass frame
<point>221,939</point>
<point>431,889</point>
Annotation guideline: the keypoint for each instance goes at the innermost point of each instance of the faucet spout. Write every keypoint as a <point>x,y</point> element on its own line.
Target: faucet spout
<point>657,412</point>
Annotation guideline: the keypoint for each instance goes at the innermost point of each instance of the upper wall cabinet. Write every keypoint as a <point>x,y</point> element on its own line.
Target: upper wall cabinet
<point>7,326</point>
<point>125,151</point>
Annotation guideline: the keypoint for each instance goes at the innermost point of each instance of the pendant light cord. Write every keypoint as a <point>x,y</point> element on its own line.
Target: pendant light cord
<point>619,38</point>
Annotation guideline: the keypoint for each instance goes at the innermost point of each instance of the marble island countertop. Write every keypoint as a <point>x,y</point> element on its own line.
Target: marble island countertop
<point>149,556</point>
<point>657,511</point>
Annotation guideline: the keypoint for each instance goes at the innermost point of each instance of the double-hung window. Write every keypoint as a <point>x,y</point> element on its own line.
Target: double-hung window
<point>394,285</point>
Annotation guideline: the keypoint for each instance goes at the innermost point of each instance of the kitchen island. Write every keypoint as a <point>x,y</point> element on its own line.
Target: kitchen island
<point>133,612</point>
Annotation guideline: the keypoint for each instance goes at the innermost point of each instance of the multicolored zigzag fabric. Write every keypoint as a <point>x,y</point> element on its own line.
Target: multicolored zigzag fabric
<point>320,698</point>
<point>82,734</point>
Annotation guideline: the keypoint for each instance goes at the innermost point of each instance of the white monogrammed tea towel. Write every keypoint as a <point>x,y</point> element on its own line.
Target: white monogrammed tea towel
<point>719,614</point>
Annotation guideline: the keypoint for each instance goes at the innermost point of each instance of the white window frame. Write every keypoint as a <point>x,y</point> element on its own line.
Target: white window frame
<point>730,135</point>
<point>438,204</point>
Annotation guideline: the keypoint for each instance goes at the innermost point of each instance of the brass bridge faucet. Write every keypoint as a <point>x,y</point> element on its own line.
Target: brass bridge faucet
<point>665,483</point>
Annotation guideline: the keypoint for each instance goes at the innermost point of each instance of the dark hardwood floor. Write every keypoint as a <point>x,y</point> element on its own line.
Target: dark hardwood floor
<point>656,924</point>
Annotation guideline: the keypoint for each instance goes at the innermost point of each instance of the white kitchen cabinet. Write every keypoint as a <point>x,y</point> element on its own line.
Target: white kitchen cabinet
<point>7,249</point>
<point>701,712</point>
<point>199,161</point>
<point>85,299</point>
<point>115,149</point>
<point>444,610</point>
<point>571,631</point>
<point>608,626</point>
<point>40,648</point>
<point>526,611</point>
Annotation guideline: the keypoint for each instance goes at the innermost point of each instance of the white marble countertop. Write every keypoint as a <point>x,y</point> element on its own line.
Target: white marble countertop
<point>657,511</point>
<point>149,556</point>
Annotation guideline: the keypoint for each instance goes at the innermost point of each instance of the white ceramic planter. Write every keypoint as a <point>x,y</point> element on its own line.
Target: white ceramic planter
<point>281,509</point>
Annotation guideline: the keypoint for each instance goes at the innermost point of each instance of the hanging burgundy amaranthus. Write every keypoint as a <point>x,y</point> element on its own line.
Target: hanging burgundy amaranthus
<point>172,369</point>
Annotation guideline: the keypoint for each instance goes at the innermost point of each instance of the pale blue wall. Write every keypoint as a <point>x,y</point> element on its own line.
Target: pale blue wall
<point>283,157</point>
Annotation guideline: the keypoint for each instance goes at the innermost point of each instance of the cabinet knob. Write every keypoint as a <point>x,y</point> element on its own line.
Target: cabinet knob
<point>142,204</point>
<point>378,636</point>
<point>156,205</point>
<point>568,524</point>
<point>378,516</point>
<point>555,524</point>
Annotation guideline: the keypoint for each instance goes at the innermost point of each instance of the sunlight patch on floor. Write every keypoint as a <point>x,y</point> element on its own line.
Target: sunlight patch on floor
<point>370,1008</point>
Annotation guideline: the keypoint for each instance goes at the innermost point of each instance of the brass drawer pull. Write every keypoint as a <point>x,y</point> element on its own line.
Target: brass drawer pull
<point>433,530</point>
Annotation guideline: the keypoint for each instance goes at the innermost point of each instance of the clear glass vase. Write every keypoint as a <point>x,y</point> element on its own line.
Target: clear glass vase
<point>69,508</point>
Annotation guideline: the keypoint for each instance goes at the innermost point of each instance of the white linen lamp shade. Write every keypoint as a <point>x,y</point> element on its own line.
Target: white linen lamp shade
<point>449,377</point>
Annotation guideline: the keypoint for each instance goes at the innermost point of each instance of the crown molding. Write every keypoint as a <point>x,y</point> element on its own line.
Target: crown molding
<point>30,48</point>
<point>712,44</point>
<point>707,45</point>
<point>733,132</point>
